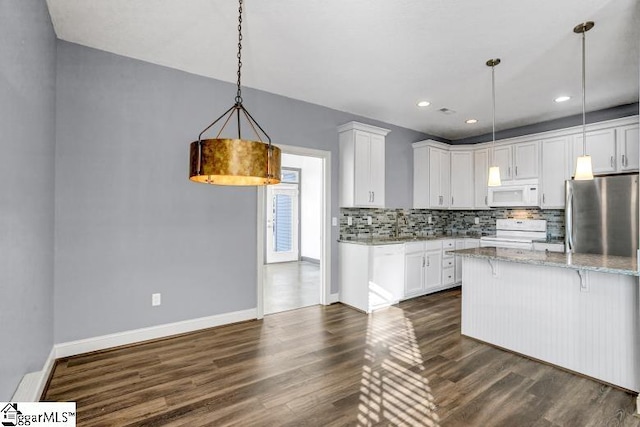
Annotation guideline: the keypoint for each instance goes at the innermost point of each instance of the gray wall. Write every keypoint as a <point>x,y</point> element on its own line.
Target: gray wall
<point>27,97</point>
<point>128,221</point>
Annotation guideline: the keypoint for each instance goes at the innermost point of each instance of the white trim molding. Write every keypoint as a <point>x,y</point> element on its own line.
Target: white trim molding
<point>334,298</point>
<point>103,342</point>
<point>32,385</point>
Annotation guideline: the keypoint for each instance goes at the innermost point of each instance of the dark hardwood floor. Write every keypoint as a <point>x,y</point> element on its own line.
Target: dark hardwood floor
<point>333,366</point>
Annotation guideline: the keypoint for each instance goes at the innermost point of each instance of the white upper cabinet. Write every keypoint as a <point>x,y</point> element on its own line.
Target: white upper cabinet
<point>555,171</point>
<point>601,146</point>
<point>362,165</point>
<point>462,188</point>
<point>525,160</point>
<point>439,178</point>
<point>517,161</point>
<point>627,146</point>
<point>481,177</point>
<point>455,177</point>
<point>431,175</point>
<point>503,158</point>
<point>420,177</point>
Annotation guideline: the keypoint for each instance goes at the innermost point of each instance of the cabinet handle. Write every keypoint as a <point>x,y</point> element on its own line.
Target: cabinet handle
<point>423,261</point>
<point>428,261</point>
<point>611,161</point>
<point>486,200</point>
<point>542,197</point>
<point>516,170</point>
<point>509,171</point>
<point>624,160</point>
<point>373,196</point>
<point>451,200</point>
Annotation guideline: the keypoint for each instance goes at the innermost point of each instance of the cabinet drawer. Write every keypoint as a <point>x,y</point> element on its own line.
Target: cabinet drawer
<point>411,247</point>
<point>448,262</point>
<point>388,250</point>
<point>434,244</point>
<point>448,276</point>
<point>448,244</point>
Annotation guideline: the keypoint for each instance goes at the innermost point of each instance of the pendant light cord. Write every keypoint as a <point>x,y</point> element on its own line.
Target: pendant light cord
<point>493,98</point>
<point>239,91</point>
<point>584,95</point>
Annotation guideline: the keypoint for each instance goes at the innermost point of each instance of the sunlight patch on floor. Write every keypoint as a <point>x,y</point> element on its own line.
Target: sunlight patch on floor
<point>391,388</point>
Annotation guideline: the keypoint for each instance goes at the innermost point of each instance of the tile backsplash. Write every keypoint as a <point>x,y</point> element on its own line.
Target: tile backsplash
<point>416,222</point>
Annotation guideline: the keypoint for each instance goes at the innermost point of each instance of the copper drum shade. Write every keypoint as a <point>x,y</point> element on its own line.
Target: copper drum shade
<point>234,162</point>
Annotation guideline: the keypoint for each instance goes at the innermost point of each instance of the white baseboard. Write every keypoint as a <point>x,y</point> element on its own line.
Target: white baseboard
<point>32,385</point>
<point>334,298</point>
<point>73,348</point>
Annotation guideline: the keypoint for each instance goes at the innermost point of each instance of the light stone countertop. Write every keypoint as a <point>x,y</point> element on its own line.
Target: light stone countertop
<point>390,240</point>
<point>594,262</point>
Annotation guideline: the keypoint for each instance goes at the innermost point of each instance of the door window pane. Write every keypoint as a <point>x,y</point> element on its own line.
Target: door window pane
<point>282,227</point>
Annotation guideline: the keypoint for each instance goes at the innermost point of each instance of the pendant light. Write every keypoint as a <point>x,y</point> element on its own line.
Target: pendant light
<point>225,161</point>
<point>494,170</point>
<point>584,169</point>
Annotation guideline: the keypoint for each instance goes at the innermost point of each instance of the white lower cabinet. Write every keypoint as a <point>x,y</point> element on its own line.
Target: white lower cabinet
<point>428,268</point>
<point>371,277</point>
<point>422,267</point>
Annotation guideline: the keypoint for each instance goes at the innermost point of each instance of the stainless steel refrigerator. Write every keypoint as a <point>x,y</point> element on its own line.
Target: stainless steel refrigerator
<point>601,216</point>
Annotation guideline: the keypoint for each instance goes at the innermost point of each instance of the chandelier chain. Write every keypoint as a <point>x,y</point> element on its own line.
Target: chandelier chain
<point>239,91</point>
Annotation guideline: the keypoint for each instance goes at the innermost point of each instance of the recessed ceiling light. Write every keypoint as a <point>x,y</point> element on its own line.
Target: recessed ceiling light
<point>424,104</point>
<point>471,121</point>
<point>562,98</point>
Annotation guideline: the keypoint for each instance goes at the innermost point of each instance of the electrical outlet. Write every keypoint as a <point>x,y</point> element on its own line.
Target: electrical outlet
<point>369,220</point>
<point>476,221</point>
<point>349,220</point>
<point>156,299</point>
<point>334,221</point>
<point>430,219</point>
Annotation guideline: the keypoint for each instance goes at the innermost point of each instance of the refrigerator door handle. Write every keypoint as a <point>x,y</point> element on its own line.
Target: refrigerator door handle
<point>569,219</point>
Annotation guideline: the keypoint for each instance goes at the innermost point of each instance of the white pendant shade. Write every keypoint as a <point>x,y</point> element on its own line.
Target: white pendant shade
<point>494,177</point>
<point>584,170</point>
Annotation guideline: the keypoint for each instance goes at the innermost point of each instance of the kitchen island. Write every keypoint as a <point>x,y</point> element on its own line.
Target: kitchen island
<point>575,311</point>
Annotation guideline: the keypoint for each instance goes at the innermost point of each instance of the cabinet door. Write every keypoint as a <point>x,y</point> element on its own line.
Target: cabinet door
<point>526,160</point>
<point>435,178</point>
<point>414,273</point>
<point>601,146</point>
<point>462,189</point>
<point>445,179</point>
<point>433,269</point>
<point>481,177</point>
<point>627,137</point>
<point>555,171</point>
<point>362,166</point>
<point>503,159</point>
<point>421,177</point>
<point>376,170</point>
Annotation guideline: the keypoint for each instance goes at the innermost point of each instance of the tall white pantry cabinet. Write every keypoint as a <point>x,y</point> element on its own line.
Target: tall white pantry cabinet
<point>362,165</point>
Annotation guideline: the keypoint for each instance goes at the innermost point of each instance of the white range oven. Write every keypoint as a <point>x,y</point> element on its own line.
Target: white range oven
<point>516,233</point>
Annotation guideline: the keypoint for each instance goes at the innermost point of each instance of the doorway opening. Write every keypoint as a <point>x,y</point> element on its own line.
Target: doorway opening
<point>293,233</point>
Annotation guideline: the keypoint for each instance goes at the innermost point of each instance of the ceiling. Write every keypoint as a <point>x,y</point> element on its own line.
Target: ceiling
<point>377,58</point>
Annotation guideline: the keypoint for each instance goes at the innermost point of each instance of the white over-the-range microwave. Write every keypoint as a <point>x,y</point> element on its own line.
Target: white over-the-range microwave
<point>514,194</point>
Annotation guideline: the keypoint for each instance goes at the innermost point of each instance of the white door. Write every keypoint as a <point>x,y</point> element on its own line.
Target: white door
<point>282,223</point>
